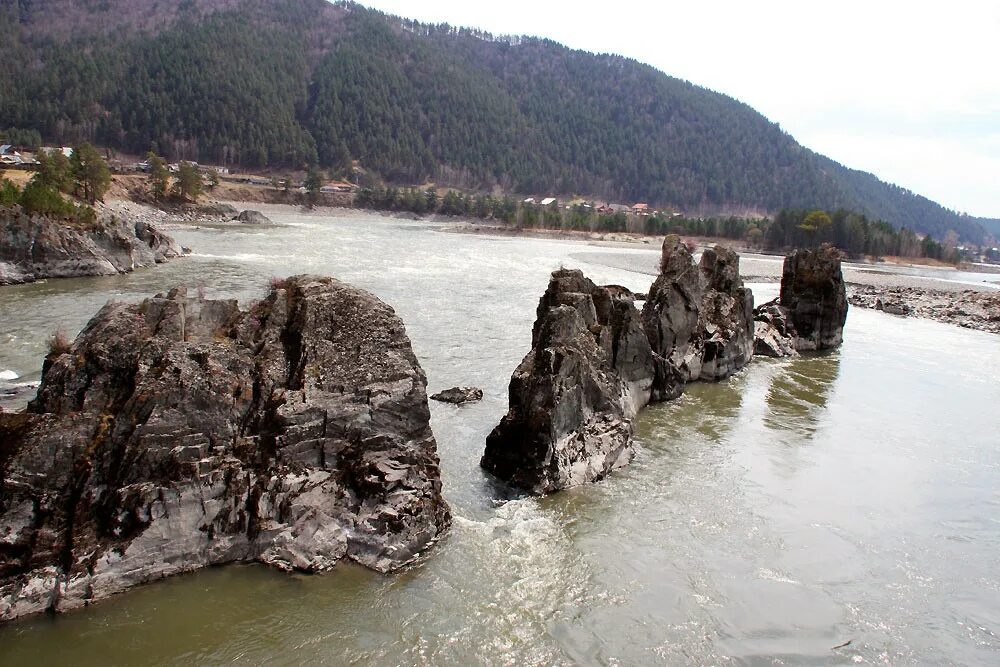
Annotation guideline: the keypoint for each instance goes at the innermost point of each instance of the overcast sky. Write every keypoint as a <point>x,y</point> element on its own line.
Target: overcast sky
<point>909,91</point>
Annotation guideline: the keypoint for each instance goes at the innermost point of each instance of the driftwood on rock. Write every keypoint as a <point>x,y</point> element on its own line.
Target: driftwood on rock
<point>182,432</point>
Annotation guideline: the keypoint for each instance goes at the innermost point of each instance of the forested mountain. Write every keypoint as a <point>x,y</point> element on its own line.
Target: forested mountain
<point>285,83</point>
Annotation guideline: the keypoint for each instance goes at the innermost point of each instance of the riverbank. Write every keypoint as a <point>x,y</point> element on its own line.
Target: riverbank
<point>970,309</point>
<point>115,240</point>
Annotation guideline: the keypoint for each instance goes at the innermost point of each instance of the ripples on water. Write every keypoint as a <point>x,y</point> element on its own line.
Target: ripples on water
<point>801,505</point>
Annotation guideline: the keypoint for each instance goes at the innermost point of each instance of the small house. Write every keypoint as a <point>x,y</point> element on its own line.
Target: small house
<point>548,201</point>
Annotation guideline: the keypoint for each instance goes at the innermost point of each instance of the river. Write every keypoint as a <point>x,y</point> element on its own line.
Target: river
<point>847,500</point>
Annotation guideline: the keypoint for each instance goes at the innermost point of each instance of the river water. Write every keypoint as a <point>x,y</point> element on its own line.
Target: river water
<point>804,504</point>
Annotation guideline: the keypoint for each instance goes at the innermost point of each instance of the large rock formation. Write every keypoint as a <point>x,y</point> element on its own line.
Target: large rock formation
<point>815,298</point>
<point>181,432</point>
<point>596,361</point>
<point>699,319</point>
<point>812,309</point>
<point>574,395</point>
<point>34,247</point>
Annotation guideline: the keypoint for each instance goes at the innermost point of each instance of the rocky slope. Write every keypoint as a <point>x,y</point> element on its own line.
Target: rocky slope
<point>181,432</point>
<point>37,247</point>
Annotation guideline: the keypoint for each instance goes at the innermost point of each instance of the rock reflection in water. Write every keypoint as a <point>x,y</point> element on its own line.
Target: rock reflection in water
<point>799,391</point>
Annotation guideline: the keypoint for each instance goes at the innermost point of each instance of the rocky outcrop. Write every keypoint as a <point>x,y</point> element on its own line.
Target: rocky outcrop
<point>773,337</point>
<point>699,319</point>
<point>459,395</point>
<point>573,397</point>
<point>182,432</point>
<point>814,297</point>
<point>37,247</point>
<point>253,218</point>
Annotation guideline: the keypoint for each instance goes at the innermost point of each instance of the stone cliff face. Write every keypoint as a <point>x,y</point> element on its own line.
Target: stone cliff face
<point>574,395</point>
<point>37,247</point>
<point>700,318</point>
<point>181,432</point>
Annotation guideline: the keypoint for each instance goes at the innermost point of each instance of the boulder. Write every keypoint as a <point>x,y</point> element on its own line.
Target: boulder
<point>772,335</point>
<point>459,395</point>
<point>575,394</point>
<point>182,432</point>
<point>253,218</point>
<point>892,307</point>
<point>34,247</point>
<point>815,298</point>
<point>698,319</point>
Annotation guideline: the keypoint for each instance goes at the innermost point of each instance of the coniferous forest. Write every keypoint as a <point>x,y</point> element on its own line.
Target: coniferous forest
<point>294,83</point>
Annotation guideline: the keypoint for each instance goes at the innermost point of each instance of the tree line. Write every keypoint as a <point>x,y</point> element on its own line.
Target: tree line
<point>84,175</point>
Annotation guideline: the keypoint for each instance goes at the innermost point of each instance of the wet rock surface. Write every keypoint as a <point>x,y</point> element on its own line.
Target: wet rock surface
<point>700,318</point>
<point>459,395</point>
<point>573,397</point>
<point>814,296</point>
<point>182,432</point>
<point>971,309</point>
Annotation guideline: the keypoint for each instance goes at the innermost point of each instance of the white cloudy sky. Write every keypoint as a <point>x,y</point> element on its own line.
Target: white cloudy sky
<point>908,90</point>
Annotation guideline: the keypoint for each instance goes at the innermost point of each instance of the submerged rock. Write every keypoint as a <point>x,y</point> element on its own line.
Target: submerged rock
<point>573,397</point>
<point>253,218</point>
<point>181,432</point>
<point>459,395</point>
<point>34,247</point>
<point>814,297</point>
<point>699,320</point>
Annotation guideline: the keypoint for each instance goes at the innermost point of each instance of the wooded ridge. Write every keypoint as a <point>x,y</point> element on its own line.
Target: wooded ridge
<point>290,83</point>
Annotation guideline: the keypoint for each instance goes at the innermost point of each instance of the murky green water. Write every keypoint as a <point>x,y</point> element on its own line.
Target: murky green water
<point>852,497</point>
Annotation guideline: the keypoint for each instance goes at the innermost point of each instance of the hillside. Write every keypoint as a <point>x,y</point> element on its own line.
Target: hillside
<point>290,82</point>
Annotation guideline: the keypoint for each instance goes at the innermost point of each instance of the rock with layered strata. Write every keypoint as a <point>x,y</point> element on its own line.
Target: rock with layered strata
<point>459,395</point>
<point>574,396</point>
<point>182,432</point>
<point>699,319</point>
<point>34,247</point>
